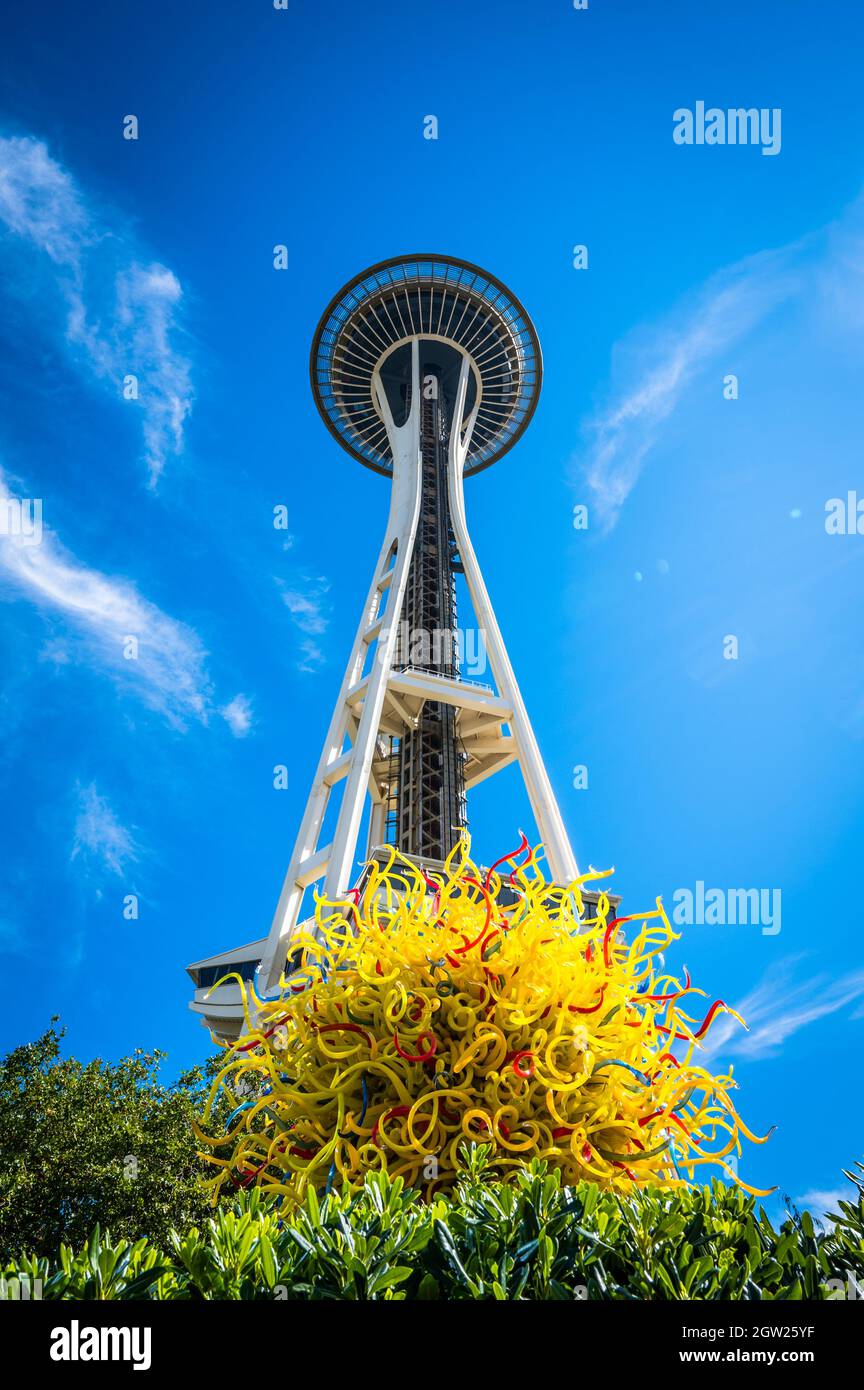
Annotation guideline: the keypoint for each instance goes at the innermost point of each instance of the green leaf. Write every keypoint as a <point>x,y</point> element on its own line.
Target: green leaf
<point>389,1278</point>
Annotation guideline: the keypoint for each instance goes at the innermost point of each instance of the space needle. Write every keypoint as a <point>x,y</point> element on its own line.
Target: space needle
<point>426,369</point>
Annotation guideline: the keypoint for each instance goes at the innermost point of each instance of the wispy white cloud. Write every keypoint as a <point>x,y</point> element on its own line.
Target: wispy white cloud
<point>312,656</point>
<point>307,606</point>
<point>655,364</point>
<point>823,1202</point>
<point>55,652</point>
<point>780,1006</point>
<point>164,663</point>
<point>99,837</point>
<point>658,364</point>
<point>40,202</point>
<point>310,614</point>
<point>122,310</point>
<point>238,715</point>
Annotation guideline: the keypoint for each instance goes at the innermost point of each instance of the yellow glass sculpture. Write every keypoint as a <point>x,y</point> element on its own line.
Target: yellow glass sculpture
<point>427,1012</point>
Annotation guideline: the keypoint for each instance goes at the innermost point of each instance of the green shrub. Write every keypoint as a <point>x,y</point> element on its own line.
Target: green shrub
<point>529,1239</point>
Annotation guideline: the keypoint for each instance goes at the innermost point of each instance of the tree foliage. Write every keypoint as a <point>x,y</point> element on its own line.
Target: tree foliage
<point>82,1143</point>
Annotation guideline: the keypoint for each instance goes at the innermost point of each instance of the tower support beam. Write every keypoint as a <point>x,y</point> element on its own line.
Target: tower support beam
<point>543,803</point>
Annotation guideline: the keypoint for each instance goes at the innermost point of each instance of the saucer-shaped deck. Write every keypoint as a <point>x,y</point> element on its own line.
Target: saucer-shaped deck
<point>452,307</point>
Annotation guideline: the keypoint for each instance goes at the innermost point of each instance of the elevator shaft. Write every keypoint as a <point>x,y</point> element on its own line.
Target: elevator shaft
<point>427,762</point>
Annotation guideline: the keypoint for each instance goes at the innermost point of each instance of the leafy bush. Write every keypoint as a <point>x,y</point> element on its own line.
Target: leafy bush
<point>529,1239</point>
<point>86,1142</point>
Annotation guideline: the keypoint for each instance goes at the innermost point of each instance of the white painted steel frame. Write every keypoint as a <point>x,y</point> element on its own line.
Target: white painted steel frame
<point>360,705</point>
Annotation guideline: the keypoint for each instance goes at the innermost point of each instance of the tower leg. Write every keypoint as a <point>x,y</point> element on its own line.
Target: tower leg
<point>335,863</point>
<point>550,824</point>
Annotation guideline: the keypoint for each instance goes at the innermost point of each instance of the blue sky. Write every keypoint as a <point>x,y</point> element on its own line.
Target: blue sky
<point>706,516</point>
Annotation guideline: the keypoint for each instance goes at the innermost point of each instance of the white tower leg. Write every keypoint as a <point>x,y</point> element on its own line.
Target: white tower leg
<point>546,813</point>
<point>376,637</point>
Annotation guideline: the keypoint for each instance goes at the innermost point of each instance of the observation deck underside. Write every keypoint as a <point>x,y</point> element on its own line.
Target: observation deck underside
<point>432,298</point>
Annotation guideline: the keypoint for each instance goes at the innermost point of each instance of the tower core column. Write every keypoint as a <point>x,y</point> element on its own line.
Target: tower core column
<point>429,792</point>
